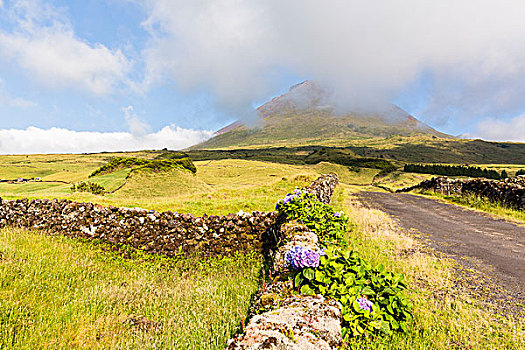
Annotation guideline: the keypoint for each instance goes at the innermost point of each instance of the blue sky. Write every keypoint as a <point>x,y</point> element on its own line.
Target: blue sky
<point>81,75</point>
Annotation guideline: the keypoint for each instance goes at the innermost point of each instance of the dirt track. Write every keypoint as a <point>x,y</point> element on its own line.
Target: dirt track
<point>494,247</point>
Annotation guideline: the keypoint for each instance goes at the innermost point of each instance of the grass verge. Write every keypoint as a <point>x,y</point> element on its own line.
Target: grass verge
<point>499,210</point>
<point>63,293</point>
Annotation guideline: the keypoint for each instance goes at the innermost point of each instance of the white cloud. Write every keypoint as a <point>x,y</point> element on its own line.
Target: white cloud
<point>44,44</point>
<point>136,126</point>
<point>367,50</point>
<point>500,130</point>
<point>15,102</point>
<point>55,140</point>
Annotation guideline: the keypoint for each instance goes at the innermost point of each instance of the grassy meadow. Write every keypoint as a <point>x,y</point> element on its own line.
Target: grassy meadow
<point>218,187</point>
<point>63,293</point>
<point>498,210</point>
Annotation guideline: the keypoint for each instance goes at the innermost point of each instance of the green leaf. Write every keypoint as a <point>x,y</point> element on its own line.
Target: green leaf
<point>319,276</point>
<point>389,291</point>
<point>308,273</point>
<point>357,308</point>
<point>298,279</point>
<point>385,327</point>
<point>367,291</point>
<point>394,324</point>
<point>307,290</point>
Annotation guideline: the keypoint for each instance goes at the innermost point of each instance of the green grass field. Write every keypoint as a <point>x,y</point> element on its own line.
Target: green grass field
<point>218,187</point>
<point>498,210</point>
<point>63,293</point>
<point>58,292</point>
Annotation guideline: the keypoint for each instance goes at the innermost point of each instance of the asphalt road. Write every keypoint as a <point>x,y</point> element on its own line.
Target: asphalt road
<point>497,246</point>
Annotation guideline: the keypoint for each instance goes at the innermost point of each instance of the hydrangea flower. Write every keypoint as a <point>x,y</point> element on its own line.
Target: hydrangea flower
<point>300,257</point>
<point>289,198</point>
<point>365,304</point>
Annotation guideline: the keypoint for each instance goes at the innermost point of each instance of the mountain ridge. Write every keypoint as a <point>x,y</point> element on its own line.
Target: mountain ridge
<point>310,113</point>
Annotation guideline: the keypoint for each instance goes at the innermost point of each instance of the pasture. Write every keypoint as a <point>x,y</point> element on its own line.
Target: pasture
<point>58,292</point>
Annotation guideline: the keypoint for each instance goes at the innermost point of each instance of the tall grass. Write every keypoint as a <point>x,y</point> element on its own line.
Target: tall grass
<point>64,293</point>
<point>497,209</point>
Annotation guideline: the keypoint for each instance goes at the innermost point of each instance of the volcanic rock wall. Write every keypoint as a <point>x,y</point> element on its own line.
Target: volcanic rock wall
<point>164,233</point>
<point>510,191</point>
<point>293,322</point>
<point>323,187</point>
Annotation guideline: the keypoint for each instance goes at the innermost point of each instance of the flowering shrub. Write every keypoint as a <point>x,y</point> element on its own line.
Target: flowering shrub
<point>320,218</point>
<point>299,257</point>
<point>365,304</point>
<point>290,197</point>
<point>371,297</point>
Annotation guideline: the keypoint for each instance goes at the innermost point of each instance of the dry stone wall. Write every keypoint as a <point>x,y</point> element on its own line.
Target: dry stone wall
<point>292,321</point>
<point>297,322</point>
<point>165,233</point>
<point>323,187</point>
<point>510,191</point>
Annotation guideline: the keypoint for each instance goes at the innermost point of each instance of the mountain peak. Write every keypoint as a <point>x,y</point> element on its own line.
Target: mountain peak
<point>310,112</point>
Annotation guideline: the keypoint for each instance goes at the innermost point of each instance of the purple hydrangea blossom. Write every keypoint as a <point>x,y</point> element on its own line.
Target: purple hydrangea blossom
<point>365,304</point>
<point>300,257</point>
<point>289,198</point>
<point>290,255</point>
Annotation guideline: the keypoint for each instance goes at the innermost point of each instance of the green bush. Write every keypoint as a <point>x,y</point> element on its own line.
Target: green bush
<point>88,187</point>
<point>344,276</point>
<point>453,170</point>
<point>320,218</point>
<point>136,163</point>
<point>520,172</point>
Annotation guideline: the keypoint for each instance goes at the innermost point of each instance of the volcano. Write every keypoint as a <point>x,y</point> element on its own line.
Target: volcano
<point>308,114</point>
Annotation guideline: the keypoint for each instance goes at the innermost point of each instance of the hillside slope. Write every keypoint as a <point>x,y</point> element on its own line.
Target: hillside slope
<point>307,114</point>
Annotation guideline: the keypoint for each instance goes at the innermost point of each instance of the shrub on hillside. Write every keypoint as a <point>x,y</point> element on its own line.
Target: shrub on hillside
<point>453,170</point>
<point>520,172</point>
<point>172,155</point>
<point>141,163</point>
<point>88,187</point>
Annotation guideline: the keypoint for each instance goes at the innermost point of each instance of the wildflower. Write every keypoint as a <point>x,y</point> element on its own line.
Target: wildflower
<point>365,304</point>
<point>337,214</point>
<point>300,257</point>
